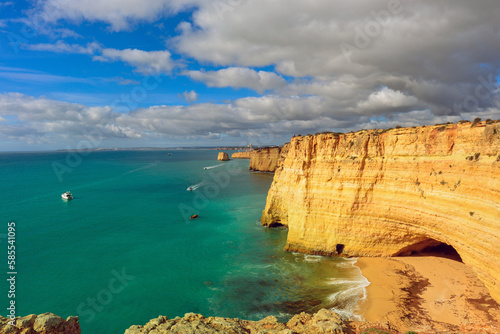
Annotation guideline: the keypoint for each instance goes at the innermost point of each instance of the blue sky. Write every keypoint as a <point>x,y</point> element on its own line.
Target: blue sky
<point>168,73</point>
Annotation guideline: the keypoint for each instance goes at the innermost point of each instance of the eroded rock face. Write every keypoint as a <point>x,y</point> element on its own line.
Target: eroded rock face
<point>241,155</point>
<point>385,193</point>
<point>267,159</point>
<point>223,156</point>
<point>46,323</point>
<point>323,322</point>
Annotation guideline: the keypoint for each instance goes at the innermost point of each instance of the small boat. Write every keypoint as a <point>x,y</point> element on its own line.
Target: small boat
<point>190,189</point>
<point>170,154</point>
<point>205,167</point>
<point>67,195</point>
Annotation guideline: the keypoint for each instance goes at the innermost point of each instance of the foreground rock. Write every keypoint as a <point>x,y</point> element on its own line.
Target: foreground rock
<point>323,322</point>
<point>223,156</point>
<point>46,323</point>
<point>393,192</point>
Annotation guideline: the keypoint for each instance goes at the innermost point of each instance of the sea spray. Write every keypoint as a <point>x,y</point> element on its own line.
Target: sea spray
<point>349,292</point>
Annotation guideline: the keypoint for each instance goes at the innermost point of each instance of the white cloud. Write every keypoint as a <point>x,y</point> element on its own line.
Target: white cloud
<point>239,77</point>
<point>63,47</point>
<point>190,96</point>
<point>64,33</point>
<point>410,67</point>
<point>120,14</point>
<point>426,50</point>
<point>262,120</point>
<point>386,100</point>
<point>145,62</point>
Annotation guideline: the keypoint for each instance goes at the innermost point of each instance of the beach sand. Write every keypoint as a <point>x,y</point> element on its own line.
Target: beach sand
<point>427,294</point>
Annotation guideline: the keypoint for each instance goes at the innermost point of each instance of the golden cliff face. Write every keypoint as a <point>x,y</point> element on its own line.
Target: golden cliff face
<point>386,193</point>
<point>241,155</point>
<point>223,156</point>
<point>266,159</point>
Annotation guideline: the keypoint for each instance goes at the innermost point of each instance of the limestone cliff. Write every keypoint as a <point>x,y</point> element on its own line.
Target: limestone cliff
<point>223,156</point>
<point>241,155</point>
<point>266,159</point>
<point>392,192</point>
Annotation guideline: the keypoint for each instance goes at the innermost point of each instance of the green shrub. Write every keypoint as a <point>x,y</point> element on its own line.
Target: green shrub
<point>476,120</point>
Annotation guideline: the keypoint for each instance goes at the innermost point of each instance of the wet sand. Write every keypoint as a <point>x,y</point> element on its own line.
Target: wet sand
<point>427,294</point>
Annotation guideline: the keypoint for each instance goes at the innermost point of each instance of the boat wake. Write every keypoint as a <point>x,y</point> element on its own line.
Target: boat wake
<point>196,186</point>
<point>212,167</point>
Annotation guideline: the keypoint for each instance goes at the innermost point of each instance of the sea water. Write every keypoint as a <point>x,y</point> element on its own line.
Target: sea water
<point>125,250</point>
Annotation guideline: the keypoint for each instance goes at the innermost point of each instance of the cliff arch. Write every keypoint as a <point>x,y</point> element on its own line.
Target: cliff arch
<point>430,246</point>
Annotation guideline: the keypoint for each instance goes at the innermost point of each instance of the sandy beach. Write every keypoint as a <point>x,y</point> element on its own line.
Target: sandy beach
<point>427,294</point>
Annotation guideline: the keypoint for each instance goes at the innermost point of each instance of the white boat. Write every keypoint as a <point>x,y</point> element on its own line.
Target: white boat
<point>190,189</point>
<point>67,195</point>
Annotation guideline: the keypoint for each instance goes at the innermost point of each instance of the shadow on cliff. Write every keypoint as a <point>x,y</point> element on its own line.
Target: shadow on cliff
<point>431,247</point>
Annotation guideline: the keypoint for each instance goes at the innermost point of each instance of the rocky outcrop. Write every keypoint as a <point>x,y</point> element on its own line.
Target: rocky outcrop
<point>241,155</point>
<point>223,156</point>
<point>322,322</point>
<point>46,323</point>
<point>266,159</point>
<point>394,192</point>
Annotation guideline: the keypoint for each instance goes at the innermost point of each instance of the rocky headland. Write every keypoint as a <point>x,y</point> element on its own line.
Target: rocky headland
<point>241,155</point>
<point>267,159</point>
<point>394,192</point>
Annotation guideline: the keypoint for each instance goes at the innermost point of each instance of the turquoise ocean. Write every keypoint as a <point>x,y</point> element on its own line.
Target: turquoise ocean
<point>124,250</point>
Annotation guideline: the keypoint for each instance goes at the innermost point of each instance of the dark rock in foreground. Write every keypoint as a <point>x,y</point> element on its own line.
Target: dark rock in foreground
<point>46,323</point>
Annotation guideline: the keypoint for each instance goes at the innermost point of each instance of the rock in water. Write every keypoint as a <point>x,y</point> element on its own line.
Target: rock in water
<point>223,156</point>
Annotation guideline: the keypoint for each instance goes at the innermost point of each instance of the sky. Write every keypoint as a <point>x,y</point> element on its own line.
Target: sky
<point>169,73</point>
